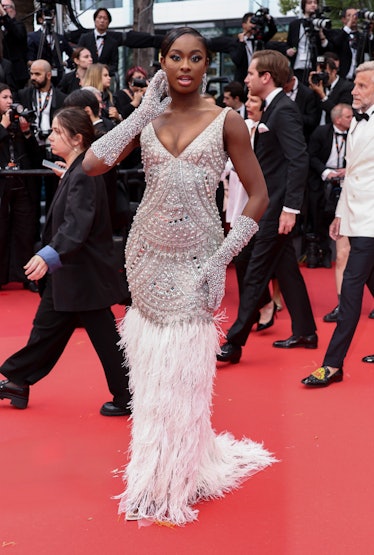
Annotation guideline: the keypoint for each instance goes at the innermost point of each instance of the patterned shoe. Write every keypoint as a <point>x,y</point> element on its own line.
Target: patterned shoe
<point>322,377</point>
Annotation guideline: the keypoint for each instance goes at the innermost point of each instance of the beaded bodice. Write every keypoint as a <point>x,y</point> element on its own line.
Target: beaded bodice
<point>177,225</point>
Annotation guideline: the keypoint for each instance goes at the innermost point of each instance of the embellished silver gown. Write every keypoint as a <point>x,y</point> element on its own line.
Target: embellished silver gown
<point>171,340</point>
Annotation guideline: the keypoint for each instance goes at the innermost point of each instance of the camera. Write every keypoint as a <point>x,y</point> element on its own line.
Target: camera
<point>320,76</point>
<point>17,111</point>
<point>365,14</point>
<point>139,83</point>
<point>260,20</point>
<point>318,21</point>
<point>43,135</point>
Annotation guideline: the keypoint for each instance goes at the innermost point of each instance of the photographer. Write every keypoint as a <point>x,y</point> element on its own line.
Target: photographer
<point>329,88</point>
<point>44,99</point>
<point>48,45</point>
<point>258,29</point>
<point>349,43</point>
<point>18,198</point>
<point>128,99</point>
<point>306,40</point>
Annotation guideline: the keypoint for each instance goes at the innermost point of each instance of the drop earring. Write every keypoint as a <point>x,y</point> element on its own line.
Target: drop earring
<point>204,83</point>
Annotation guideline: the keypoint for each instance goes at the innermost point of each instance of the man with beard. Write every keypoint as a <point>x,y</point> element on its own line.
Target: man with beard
<point>44,99</point>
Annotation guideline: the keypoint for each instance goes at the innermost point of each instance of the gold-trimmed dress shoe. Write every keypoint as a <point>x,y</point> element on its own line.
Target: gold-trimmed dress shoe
<point>322,377</point>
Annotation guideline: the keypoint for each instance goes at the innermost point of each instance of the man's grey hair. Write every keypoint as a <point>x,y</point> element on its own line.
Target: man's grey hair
<point>366,66</point>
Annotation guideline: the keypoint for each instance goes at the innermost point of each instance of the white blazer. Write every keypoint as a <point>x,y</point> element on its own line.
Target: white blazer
<point>356,203</point>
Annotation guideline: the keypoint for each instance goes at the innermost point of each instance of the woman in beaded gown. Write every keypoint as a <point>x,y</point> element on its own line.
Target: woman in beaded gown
<point>176,259</point>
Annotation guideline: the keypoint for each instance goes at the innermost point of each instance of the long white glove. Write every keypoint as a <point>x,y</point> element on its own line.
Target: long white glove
<point>109,146</point>
<point>214,271</point>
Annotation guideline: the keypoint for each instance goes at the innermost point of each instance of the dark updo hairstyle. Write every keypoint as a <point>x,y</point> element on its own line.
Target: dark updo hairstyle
<point>4,87</point>
<point>174,34</point>
<point>75,120</point>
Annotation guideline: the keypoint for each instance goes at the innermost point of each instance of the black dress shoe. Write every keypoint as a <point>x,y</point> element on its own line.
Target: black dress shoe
<point>332,316</point>
<point>19,396</point>
<point>322,377</point>
<point>306,341</point>
<point>369,358</point>
<point>371,315</point>
<point>31,286</point>
<point>261,327</point>
<point>230,353</point>
<point>110,409</point>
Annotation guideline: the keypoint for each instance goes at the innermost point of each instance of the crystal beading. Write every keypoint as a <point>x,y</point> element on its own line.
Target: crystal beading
<point>214,272</point>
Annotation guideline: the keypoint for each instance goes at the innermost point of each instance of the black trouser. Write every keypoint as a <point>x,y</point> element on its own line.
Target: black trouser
<point>269,256</point>
<point>358,271</point>
<point>50,333</point>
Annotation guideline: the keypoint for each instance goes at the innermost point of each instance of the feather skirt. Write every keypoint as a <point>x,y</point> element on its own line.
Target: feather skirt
<point>176,458</point>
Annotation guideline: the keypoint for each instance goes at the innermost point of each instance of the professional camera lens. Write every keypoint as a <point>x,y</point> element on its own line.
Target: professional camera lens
<point>139,83</point>
<point>366,14</point>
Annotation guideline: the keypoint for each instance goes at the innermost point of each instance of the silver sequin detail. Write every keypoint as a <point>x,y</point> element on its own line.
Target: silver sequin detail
<point>177,226</point>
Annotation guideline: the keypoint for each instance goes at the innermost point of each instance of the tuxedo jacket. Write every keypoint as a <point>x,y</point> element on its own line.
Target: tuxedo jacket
<point>109,53</point>
<point>310,111</point>
<point>342,92</point>
<point>282,154</point>
<point>78,227</point>
<point>320,145</point>
<point>356,202</point>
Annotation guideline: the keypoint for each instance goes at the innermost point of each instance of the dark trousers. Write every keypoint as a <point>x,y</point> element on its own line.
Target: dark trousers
<point>265,257</point>
<point>49,336</point>
<point>17,230</point>
<point>359,270</point>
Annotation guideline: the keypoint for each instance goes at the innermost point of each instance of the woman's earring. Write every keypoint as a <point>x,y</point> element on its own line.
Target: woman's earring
<point>204,83</point>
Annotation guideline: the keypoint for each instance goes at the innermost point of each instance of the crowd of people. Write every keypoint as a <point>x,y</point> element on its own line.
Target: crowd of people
<point>301,162</point>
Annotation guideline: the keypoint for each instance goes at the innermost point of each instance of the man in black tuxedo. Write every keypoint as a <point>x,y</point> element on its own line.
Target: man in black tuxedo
<point>349,43</point>
<point>241,49</point>
<point>306,102</point>
<point>305,42</point>
<point>327,148</point>
<point>281,151</point>
<point>331,89</point>
<point>234,97</point>
<point>102,44</point>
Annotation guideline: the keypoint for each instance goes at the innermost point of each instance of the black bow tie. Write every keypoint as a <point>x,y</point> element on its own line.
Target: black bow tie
<point>359,116</point>
<point>100,37</point>
<point>341,134</point>
<point>263,105</point>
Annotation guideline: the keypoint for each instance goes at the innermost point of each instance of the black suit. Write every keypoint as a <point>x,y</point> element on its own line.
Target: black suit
<point>321,143</point>
<point>81,291</point>
<point>109,53</point>
<point>341,45</point>
<point>28,98</point>
<point>340,93</point>
<point>306,102</point>
<point>283,158</point>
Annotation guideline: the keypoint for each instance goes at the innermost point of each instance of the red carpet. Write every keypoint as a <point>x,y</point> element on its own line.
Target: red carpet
<point>57,457</point>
